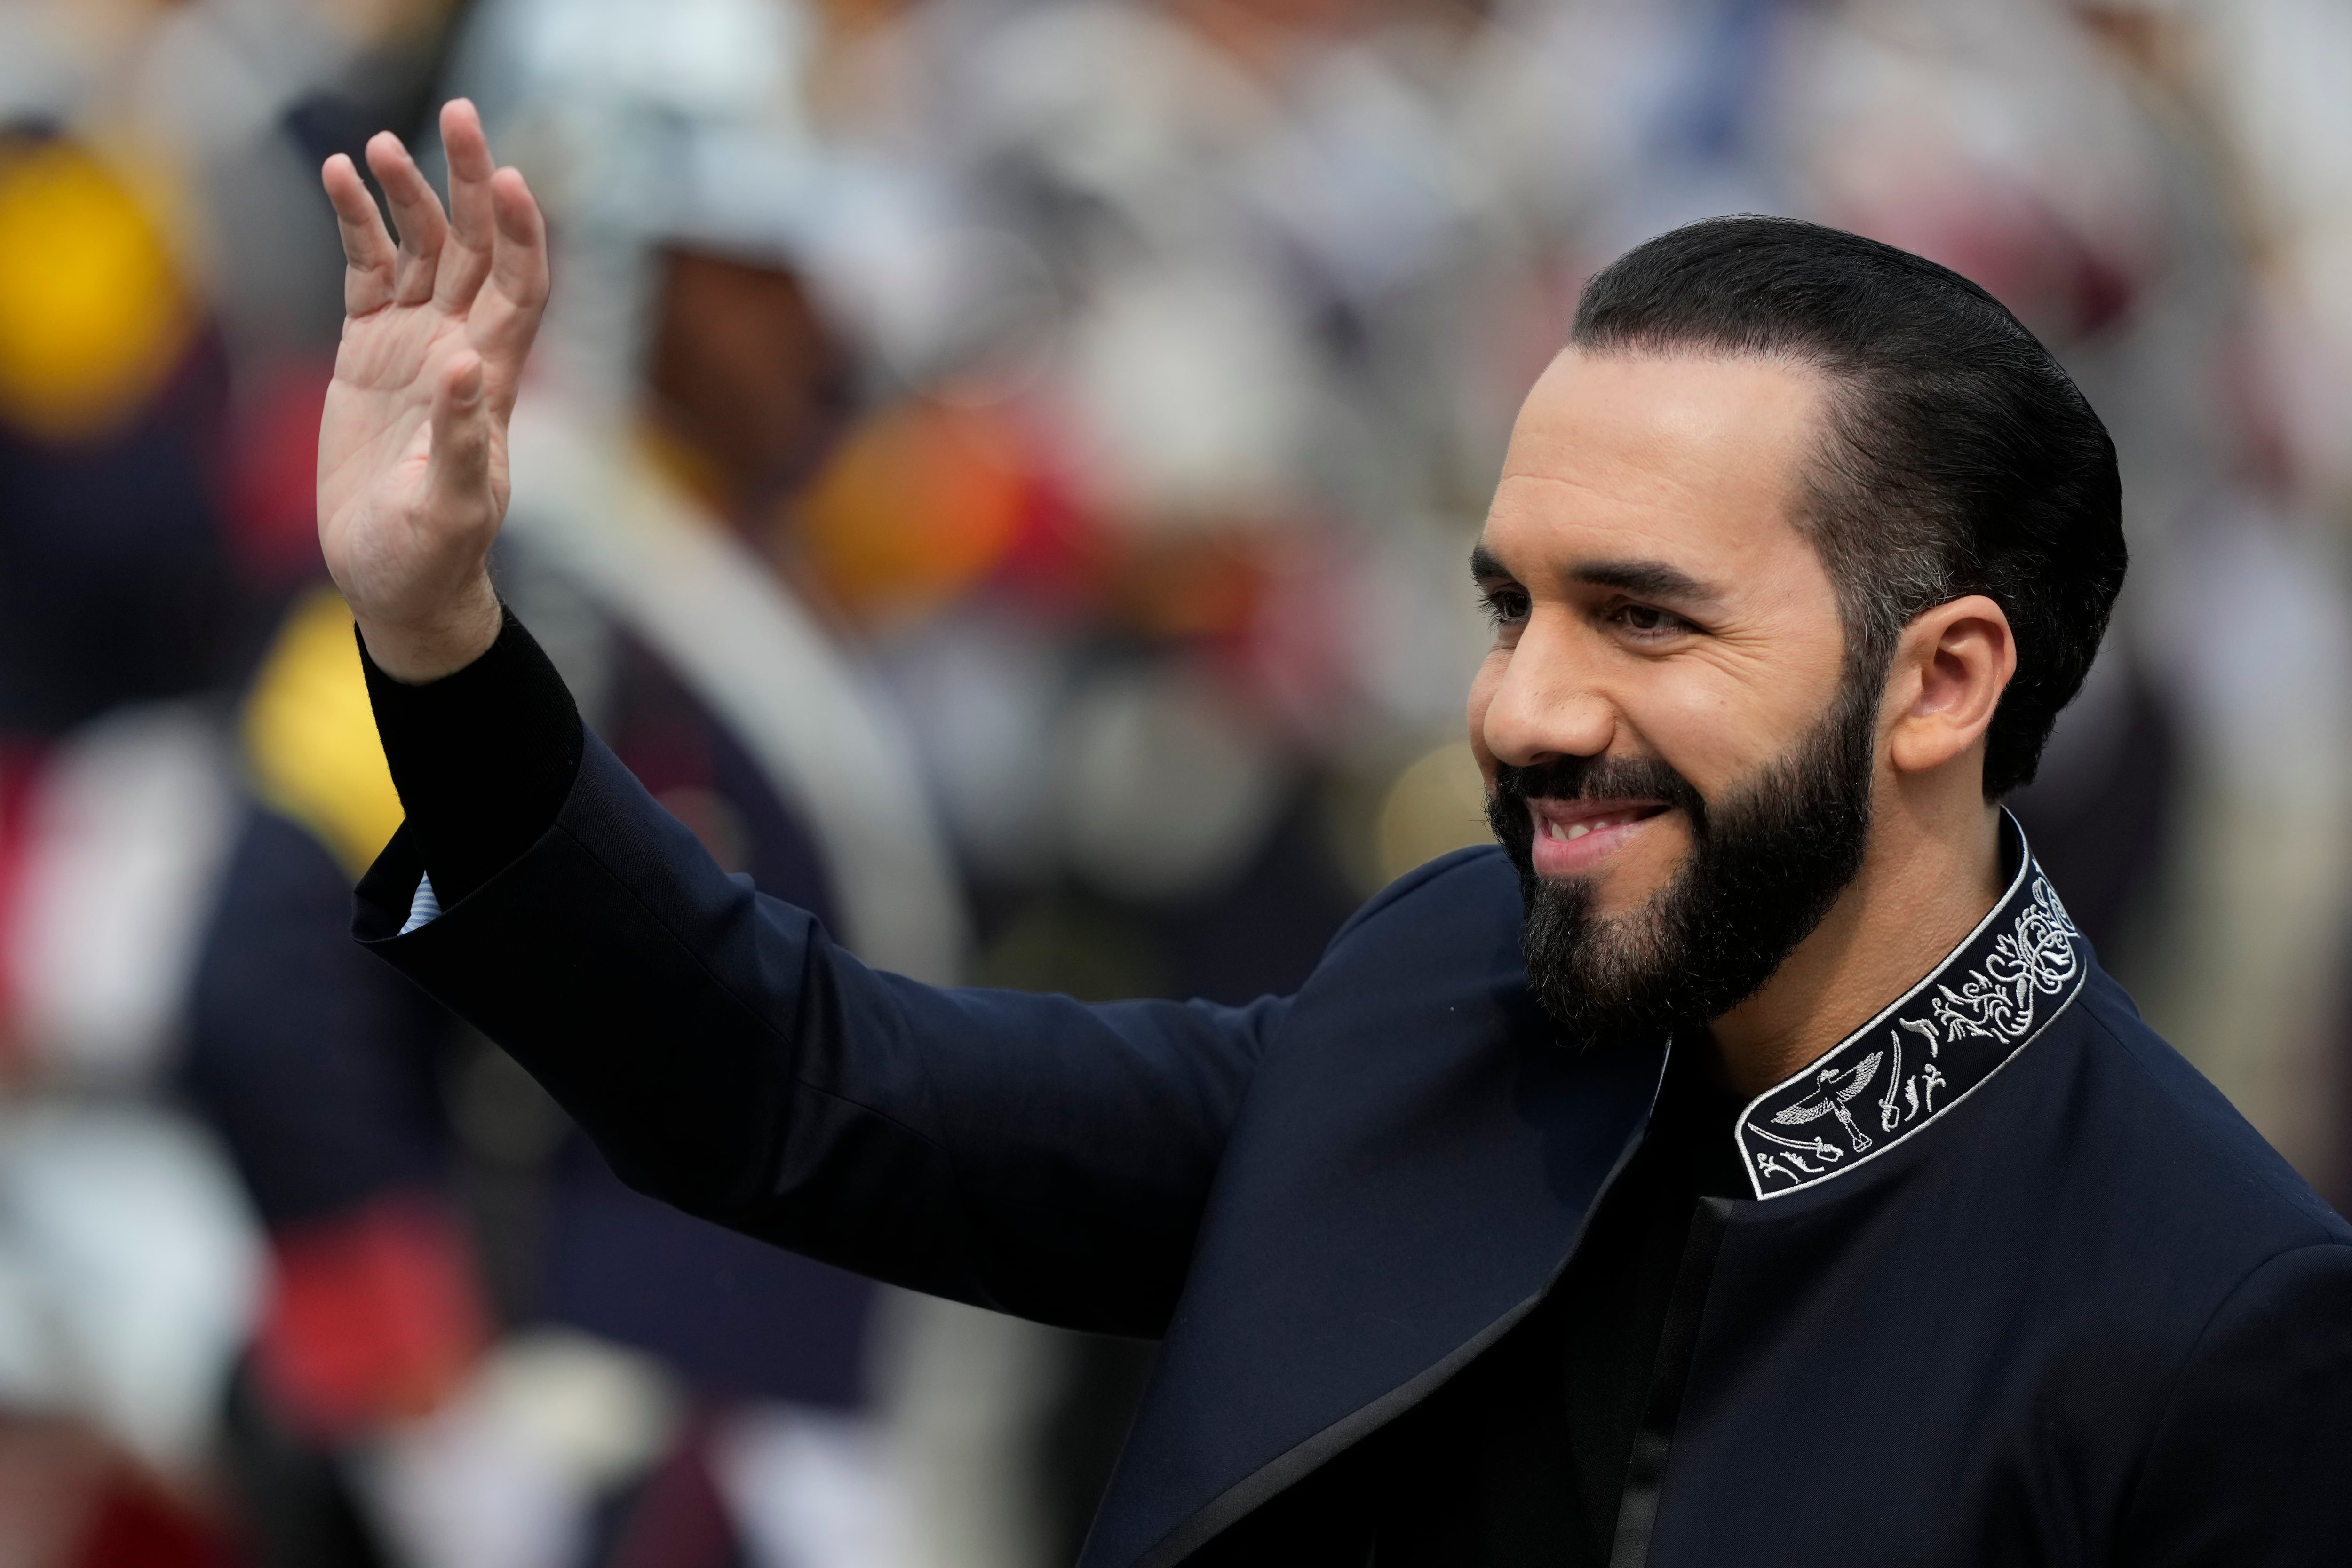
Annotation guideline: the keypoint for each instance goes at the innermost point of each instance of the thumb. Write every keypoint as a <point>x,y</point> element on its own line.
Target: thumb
<point>458,466</point>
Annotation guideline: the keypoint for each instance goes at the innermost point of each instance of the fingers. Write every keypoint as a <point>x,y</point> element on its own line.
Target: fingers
<point>415,212</point>
<point>465,257</point>
<point>506,318</point>
<point>457,467</point>
<point>367,245</point>
<point>493,233</point>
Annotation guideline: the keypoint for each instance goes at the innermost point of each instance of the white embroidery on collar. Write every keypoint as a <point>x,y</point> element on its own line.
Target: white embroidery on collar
<point>1992,995</point>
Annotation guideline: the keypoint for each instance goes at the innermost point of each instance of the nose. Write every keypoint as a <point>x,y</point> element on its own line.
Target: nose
<point>1542,704</point>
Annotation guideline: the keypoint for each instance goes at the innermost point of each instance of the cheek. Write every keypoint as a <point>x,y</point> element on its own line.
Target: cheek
<point>1717,721</point>
<point>1695,721</point>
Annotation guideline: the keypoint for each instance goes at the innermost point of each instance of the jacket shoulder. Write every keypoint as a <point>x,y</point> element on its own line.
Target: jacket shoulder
<point>2251,1194</point>
<point>1479,877</point>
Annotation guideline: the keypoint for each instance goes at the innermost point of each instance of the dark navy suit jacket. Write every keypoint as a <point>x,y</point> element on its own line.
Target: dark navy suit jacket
<point>2018,1286</point>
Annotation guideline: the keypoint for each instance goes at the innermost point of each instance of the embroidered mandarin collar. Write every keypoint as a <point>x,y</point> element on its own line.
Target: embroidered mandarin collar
<point>1930,1049</point>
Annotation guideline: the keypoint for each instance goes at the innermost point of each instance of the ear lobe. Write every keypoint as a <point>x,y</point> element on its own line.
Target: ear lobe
<point>1961,655</point>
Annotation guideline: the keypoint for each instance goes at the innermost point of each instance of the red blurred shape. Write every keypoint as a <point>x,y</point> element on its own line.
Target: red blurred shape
<point>273,471</point>
<point>20,772</point>
<point>1061,555</point>
<point>135,1524</point>
<point>680,1519</point>
<point>373,1316</point>
<point>2063,282</point>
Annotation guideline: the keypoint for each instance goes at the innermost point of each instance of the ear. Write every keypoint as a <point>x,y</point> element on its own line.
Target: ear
<point>1949,669</point>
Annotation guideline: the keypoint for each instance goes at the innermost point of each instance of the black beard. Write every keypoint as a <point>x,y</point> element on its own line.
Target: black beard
<point>1765,864</point>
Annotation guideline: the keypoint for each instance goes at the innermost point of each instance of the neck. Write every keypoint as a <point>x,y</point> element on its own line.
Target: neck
<point>1925,883</point>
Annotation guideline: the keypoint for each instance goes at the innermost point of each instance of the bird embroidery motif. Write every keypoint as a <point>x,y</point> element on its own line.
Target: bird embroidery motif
<point>1832,1090</point>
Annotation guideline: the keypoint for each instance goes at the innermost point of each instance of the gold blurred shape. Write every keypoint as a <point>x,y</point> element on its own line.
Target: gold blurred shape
<point>918,505</point>
<point>310,736</point>
<point>1437,805</point>
<point>93,315</point>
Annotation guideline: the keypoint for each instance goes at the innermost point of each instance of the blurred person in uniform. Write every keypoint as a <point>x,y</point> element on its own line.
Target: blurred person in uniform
<point>2259,921</point>
<point>223,108</point>
<point>1150,697</point>
<point>118,576</point>
<point>1244,221</point>
<point>479,1346</point>
<point>166,329</point>
<point>128,1267</point>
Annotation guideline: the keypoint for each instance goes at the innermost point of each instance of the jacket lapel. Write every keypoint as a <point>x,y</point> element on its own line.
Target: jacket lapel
<point>1414,1163</point>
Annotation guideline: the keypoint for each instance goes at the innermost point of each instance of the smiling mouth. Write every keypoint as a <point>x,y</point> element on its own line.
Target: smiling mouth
<point>1565,822</point>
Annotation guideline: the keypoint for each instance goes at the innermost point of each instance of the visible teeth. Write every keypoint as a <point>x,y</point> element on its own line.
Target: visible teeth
<point>1565,833</point>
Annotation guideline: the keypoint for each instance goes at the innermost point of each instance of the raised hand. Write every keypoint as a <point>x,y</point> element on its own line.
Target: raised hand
<point>413,449</point>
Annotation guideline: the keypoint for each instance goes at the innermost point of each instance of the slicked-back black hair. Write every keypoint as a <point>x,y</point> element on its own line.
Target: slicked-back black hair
<point>1959,458</point>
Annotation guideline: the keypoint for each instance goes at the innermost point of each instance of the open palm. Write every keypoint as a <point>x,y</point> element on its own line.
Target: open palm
<point>412,448</point>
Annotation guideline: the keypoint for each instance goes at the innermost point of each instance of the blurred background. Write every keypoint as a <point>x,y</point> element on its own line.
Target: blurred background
<point>1001,471</point>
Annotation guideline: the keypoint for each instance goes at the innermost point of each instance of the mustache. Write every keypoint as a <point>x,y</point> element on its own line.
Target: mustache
<point>1588,779</point>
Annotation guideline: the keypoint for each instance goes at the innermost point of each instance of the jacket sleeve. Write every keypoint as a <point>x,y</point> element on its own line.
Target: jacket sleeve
<point>1026,1153</point>
<point>2249,1465</point>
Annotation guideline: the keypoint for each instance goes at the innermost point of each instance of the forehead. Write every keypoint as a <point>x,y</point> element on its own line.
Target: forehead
<point>1694,461</point>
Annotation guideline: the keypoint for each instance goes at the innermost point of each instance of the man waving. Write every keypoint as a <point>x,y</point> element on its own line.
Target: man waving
<point>1747,1162</point>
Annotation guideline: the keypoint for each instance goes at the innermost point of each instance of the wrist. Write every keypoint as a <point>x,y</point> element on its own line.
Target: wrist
<point>416,651</point>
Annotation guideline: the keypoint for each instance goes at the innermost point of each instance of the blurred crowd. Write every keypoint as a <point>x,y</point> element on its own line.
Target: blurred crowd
<point>1001,472</point>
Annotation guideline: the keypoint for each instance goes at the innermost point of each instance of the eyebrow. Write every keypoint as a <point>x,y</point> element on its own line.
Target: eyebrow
<point>1648,579</point>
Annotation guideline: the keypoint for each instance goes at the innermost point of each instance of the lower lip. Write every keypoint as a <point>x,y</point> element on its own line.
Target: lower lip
<point>1579,856</point>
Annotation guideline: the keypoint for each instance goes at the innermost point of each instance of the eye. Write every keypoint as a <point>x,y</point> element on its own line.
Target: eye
<point>1647,623</point>
<point>1506,604</point>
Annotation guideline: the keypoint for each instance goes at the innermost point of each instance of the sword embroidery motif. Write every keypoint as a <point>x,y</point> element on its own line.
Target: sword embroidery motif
<point>1832,1090</point>
<point>1888,1117</point>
